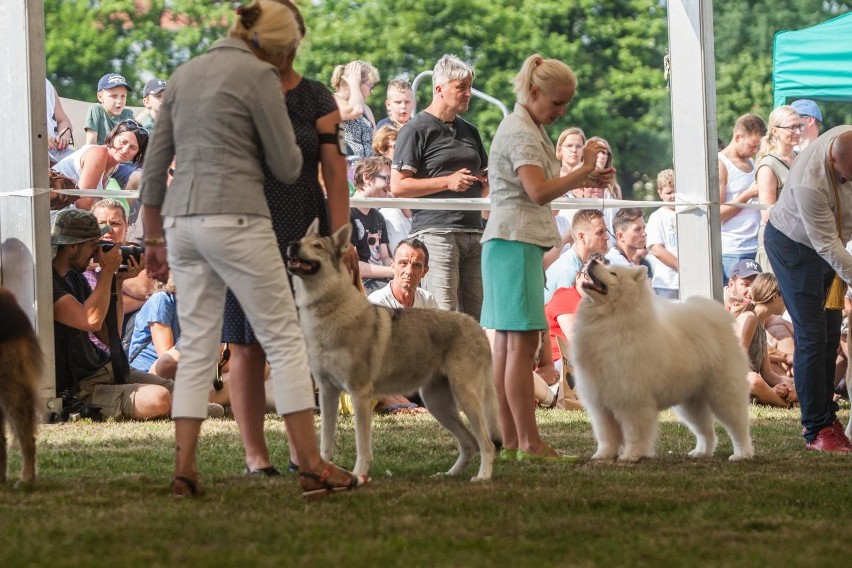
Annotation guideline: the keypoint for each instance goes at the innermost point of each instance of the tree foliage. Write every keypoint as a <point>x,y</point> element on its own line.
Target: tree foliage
<point>616,48</point>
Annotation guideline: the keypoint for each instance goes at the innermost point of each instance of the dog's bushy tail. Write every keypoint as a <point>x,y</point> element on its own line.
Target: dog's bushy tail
<point>492,412</point>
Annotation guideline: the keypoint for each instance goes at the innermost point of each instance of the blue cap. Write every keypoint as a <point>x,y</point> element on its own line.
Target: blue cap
<point>111,80</point>
<point>746,268</point>
<point>806,107</point>
<point>153,87</point>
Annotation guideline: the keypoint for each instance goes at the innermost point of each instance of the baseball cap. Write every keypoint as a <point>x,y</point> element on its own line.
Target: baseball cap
<point>153,87</point>
<point>73,226</point>
<point>111,80</point>
<point>746,268</point>
<point>806,107</point>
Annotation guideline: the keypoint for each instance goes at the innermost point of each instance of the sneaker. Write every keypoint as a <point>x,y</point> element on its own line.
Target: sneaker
<point>828,441</point>
<point>840,432</point>
<point>215,410</point>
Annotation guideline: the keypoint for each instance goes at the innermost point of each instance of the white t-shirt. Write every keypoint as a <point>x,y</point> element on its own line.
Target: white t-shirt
<point>397,224</point>
<point>384,297</point>
<point>662,230</point>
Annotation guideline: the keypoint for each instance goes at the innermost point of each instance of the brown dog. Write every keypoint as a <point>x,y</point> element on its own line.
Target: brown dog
<point>20,367</point>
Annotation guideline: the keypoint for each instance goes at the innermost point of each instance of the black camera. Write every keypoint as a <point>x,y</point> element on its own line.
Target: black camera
<point>136,251</point>
<point>74,409</point>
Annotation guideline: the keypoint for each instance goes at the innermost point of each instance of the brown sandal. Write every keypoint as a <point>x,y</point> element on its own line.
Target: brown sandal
<point>318,485</point>
<point>185,487</point>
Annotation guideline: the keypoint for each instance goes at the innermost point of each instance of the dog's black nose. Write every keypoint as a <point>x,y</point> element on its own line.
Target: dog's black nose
<point>292,249</point>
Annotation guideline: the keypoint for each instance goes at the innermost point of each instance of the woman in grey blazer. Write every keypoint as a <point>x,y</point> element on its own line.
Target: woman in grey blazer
<point>222,114</point>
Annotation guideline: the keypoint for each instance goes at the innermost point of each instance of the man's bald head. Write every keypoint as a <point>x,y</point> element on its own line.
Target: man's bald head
<point>840,155</point>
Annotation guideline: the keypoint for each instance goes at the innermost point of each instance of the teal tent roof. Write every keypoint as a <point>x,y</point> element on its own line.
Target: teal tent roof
<point>814,63</point>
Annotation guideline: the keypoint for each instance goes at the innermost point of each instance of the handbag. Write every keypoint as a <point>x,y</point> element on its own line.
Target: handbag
<point>60,181</point>
<point>837,290</point>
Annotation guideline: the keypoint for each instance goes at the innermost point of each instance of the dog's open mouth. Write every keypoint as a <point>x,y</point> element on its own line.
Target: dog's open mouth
<point>594,284</point>
<point>299,266</point>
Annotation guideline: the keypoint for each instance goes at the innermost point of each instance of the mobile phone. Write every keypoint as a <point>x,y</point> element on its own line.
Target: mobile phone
<point>480,173</point>
<point>608,163</point>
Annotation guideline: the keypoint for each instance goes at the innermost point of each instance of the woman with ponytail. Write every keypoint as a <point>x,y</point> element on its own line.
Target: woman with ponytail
<point>222,116</point>
<point>524,173</point>
<point>773,163</point>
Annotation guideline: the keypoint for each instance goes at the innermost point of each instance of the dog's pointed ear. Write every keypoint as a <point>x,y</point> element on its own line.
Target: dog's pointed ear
<point>314,228</point>
<point>342,237</point>
<point>641,274</point>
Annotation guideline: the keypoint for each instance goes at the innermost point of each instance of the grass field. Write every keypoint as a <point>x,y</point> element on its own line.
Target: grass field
<point>102,498</point>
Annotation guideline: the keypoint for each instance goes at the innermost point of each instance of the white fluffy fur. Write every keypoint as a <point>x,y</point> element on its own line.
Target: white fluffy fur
<point>635,355</point>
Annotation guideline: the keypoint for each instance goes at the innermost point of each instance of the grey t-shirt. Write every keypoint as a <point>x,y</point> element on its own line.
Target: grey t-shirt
<point>429,147</point>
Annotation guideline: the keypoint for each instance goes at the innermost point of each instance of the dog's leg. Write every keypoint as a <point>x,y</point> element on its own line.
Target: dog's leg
<point>734,417</point>
<point>22,418</point>
<point>473,402</point>
<point>696,414</point>
<point>639,425</point>
<point>849,380</point>
<point>362,404</point>
<point>607,432</point>
<point>442,405</point>
<point>329,409</point>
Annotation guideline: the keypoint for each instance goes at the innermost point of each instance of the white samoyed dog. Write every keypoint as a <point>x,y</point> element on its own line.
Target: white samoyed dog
<point>635,355</point>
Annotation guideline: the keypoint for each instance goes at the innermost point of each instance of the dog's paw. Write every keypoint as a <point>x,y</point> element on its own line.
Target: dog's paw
<point>604,456</point>
<point>740,457</point>
<point>698,454</point>
<point>478,479</point>
<point>25,486</point>
<point>629,458</point>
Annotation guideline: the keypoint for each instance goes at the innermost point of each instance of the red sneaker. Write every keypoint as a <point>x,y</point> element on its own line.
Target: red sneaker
<point>828,441</point>
<point>840,432</point>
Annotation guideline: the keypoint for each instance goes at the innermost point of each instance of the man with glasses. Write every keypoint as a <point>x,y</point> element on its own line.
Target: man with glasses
<point>440,155</point>
<point>369,230</point>
<point>811,119</point>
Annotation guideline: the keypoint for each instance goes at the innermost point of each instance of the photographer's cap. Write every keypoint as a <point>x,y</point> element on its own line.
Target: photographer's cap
<point>806,107</point>
<point>746,269</point>
<point>111,80</point>
<point>153,87</point>
<point>73,226</point>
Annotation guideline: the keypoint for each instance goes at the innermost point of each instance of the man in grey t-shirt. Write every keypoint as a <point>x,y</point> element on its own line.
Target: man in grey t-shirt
<point>440,155</point>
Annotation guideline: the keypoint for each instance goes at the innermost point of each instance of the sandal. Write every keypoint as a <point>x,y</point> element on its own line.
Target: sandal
<point>268,471</point>
<point>318,485</point>
<point>185,487</point>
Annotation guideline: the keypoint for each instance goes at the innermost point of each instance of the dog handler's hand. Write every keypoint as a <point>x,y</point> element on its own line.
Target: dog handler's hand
<point>156,263</point>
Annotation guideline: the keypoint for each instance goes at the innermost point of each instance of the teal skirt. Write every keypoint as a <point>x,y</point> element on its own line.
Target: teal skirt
<point>512,286</point>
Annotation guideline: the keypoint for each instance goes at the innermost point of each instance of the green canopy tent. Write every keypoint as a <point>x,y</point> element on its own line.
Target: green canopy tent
<point>814,63</point>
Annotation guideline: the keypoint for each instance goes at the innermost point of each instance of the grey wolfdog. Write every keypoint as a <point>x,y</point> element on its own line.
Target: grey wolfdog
<point>20,367</point>
<point>368,350</point>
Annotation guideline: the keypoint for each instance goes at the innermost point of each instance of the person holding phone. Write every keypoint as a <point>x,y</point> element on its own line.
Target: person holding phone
<point>524,175</point>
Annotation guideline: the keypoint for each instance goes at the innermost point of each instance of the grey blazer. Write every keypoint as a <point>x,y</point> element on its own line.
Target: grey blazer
<point>222,115</point>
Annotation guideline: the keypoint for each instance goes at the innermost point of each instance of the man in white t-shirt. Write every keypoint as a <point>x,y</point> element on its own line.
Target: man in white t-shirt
<point>736,185</point>
<point>410,265</point>
<point>662,240</point>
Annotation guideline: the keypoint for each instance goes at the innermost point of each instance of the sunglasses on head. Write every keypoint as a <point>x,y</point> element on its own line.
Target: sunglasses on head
<point>133,126</point>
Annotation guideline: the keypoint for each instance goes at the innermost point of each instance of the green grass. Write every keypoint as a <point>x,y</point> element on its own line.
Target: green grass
<point>102,498</point>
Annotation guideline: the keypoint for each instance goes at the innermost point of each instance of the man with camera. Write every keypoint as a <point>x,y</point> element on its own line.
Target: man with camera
<point>85,375</point>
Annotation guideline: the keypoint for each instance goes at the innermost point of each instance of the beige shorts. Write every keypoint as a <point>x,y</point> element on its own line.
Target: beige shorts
<point>117,401</point>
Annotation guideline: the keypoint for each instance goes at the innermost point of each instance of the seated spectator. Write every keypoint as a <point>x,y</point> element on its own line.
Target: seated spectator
<point>384,141</point>
<point>742,275</point>
<point>399,104</point>
<point>60,135</point>
<point>111,213</point>
<point>352,84</point>
<point>590,235</point>
<point>767,386</point>
<point>84,372</point>
<point>410,264</point>
<point>779,336</point>
<point>152,98</point>
<point>154,345</point>
<point>662,240</point>
<point>91,166</point>
<point>369,230</point>
<point>102,118</point>
<point>569,149</point>
<point>630,239</point>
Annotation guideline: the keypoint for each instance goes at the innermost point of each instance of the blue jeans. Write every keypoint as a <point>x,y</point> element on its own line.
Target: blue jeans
<point>454,277</point>
<point>729,260</point>
<point>804,278</point>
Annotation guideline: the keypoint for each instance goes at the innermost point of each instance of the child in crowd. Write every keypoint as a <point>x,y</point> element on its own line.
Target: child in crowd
<point>111,110</point>
<point>152,98</point>
<point>399,104</point>
<point>369,230</point>
<point>662,239</point>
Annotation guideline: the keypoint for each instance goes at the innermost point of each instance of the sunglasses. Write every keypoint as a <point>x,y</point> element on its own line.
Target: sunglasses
<point>133,126</point>
<point>793,127</point>
<point>382,176</point>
